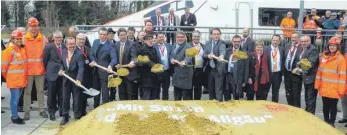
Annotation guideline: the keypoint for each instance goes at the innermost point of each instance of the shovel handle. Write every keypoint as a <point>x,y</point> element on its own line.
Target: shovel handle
<point>74,81</point>
<point>103,68</point>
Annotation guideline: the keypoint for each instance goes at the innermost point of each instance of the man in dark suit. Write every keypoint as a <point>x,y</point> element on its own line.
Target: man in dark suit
<point>88,71</point>
<point>247,43</point>
<point>172,20</point>
<point>131,34</point>
<point>158,21</point>
<point>182,77</point>
<point>198,74</point>
<point>126,56</point>
<point>52,59</point>
<point>188,19</point>
<point>73,66</point>
<point>213,67</point>
<point>164,51</point>
<point>276,65</point>
<point>311,53</point>
<point>237,71</point>
<point>110,35</point>
<point>292,82</point>
<point>103,54</point>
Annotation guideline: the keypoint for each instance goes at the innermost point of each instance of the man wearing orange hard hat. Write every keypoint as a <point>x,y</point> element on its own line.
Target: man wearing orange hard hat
<point>34,43</point>
<point>14,70</point>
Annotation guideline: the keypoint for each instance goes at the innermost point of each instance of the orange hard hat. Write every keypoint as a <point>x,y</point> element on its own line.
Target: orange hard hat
<point>16,34</point>
<point>334,40</point>
<point>33,21</point>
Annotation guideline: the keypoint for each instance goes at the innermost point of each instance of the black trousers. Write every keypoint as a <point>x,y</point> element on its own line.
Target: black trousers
<point>135,85</point>
<point>197,83</point>
<point>164,84</point>
<point>171,37</point>
<point>149,93</point>
<point>275,85</point>
<point>185,94</point>
<point>293,86</point>
<point>83,103</point>
<point>310,98</point>
<point>68,89</point>
<point>260,94</point>
<point>125,89</point>
<point>329,109</point>
<point>215,85</point>
<point>100,85</point>
<point>113,92</point>
<point>54,91</point>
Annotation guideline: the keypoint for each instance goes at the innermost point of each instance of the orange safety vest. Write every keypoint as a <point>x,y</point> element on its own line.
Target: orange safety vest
<point>331,76</point>
<point>10,44</point>
<point>34,48</point>
<point>14,66</point>
<point>309,24</point>
<point>288,23</point>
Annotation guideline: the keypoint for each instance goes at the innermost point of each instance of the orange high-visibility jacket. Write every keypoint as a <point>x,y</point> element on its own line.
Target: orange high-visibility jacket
<point>309,24</point>
<point>34,48</point>
<point>288,23</point>
<point>331,76</point>
<point>14,66</point>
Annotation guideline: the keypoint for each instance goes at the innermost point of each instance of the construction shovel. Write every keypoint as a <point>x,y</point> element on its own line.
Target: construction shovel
<point>91,91</point>
<point>106,69</point>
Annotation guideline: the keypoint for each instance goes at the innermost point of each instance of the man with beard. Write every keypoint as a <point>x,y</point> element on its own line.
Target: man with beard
<point>237,71</point>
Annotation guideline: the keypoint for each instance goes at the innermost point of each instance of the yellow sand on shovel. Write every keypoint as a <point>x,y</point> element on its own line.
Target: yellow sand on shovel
<point>198,118</point>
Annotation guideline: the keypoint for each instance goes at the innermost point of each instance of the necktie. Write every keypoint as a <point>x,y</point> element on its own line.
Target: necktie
<point>290,57</point>
<point>274,57</point>
<point>212,64</point>
<point>59,50</point>
<point>121,52</point>
<point>69,57</point>
<point>303,50</point>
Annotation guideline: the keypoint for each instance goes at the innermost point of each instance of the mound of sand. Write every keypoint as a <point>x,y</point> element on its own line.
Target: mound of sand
<point>198,118</point>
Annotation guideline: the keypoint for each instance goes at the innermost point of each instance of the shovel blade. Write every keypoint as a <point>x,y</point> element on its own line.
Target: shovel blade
<point>92,92</point>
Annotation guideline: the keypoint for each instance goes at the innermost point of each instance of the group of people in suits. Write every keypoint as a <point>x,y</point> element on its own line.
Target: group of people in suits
<point>170,23</point>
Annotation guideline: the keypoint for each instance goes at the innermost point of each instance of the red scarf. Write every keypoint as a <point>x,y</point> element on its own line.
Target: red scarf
<point>265,76</point>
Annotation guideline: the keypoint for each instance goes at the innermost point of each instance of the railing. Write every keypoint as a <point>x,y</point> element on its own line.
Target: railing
<point>264,34</point>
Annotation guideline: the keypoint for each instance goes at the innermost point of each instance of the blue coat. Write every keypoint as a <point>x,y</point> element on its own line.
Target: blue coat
<point>168,49</point>
<point>331,25</point>
<point>104,55</point>
<point>154,20</point>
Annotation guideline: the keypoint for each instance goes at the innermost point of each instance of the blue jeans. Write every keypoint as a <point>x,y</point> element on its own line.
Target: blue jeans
<point>15,93</point>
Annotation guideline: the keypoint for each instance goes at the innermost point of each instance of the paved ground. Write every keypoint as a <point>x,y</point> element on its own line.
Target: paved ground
<point>39,126</point>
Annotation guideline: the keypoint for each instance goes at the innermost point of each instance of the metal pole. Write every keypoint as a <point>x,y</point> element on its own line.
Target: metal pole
<point>301,16</point>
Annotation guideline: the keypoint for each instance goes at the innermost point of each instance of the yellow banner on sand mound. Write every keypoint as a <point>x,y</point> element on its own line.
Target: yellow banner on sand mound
<point>198,118</point>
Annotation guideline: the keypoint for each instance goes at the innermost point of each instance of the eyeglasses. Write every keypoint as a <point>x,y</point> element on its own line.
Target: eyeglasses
<point>57,37</point>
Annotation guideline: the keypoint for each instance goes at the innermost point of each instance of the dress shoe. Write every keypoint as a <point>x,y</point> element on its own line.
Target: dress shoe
<point>2,97</point>
<point>2,111</point>
<point>64,121</point>
<point>18,121</point>
<point>343,121</point>
<point>52,117</point>
<point>43,114</point>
